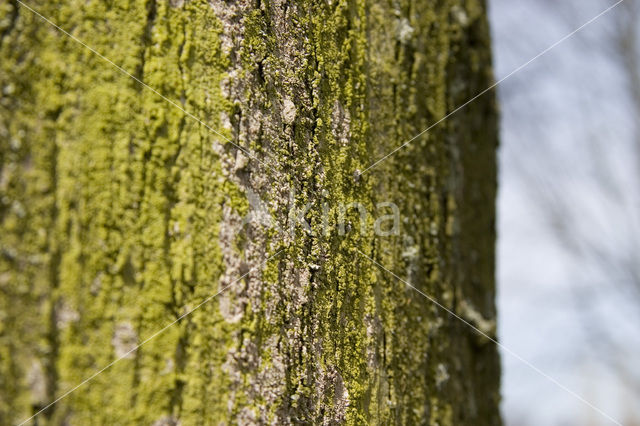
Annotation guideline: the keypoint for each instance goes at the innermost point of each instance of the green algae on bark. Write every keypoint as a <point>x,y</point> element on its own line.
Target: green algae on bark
<point>120,213</point>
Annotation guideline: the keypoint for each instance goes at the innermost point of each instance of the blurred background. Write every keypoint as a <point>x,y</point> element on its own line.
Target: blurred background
<point>569,222</point>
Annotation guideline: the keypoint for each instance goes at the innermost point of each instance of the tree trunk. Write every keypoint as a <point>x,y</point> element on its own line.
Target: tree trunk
<point>124,206</point>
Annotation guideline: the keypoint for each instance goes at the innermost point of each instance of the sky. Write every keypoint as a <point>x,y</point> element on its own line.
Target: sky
<point>555,113</point>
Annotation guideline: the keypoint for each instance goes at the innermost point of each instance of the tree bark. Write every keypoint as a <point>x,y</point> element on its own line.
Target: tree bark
<point>122,211</point>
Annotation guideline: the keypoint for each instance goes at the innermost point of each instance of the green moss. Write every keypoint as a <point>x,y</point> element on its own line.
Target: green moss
<point>120,212</point>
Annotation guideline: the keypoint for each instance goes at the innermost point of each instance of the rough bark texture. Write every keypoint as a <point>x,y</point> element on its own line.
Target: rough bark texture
<point>119,212</point>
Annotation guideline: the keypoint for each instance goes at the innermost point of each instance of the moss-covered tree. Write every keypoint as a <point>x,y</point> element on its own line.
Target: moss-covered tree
<point>120,211</point>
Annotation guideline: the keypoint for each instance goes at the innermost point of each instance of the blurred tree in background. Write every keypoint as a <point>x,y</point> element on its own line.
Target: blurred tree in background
<point>570,227</point>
